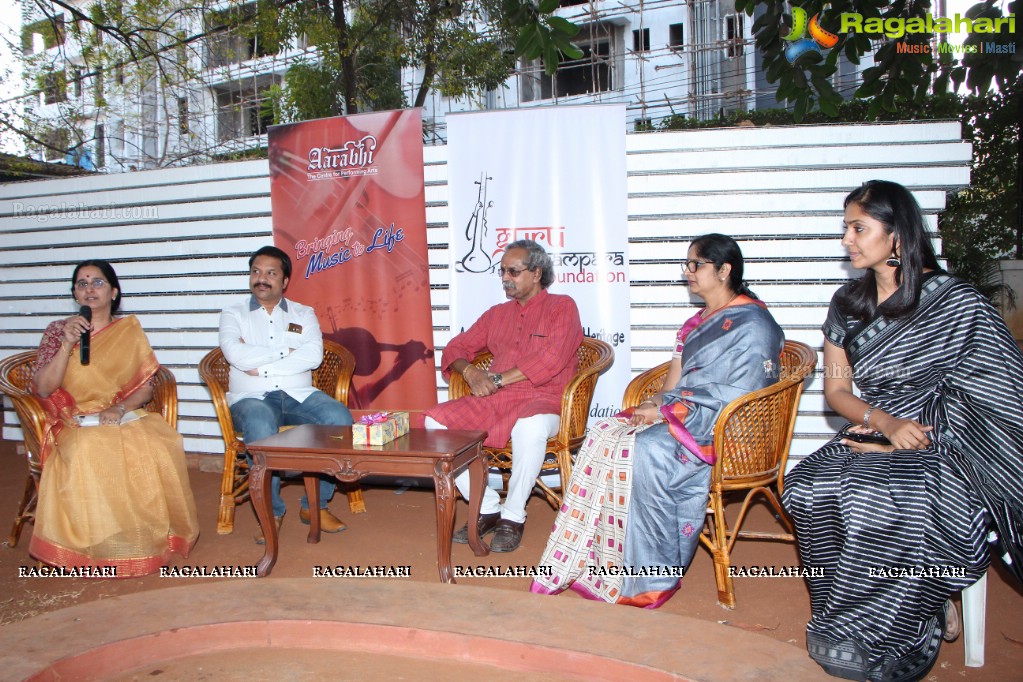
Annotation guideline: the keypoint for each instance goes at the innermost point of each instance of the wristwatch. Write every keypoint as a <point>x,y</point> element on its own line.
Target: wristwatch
<point>498,380</point>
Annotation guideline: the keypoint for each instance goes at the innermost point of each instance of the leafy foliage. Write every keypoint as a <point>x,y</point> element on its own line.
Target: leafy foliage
<point>981,222</point>
<point>541,35</point>
<point>898,74</point>
<point>361,47</point>
<point>177,54</point>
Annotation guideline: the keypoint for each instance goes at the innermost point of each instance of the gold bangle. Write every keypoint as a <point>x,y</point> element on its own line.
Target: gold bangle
<point>69,350</point>
<point>648,402</point>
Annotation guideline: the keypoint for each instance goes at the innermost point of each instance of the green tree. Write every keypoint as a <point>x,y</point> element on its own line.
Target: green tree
<point>982,222</point>
<point>460,47</point>
<point>898,73</point>
<point>173,53</point>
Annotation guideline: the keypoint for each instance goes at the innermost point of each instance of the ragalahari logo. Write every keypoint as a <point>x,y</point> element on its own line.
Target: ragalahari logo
<point>801,45</point>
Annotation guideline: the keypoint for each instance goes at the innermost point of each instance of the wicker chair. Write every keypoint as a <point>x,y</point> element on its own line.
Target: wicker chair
<point>594,357</point>
<point>333,377</point>
<point>751,439</point>
<point>15,375</point>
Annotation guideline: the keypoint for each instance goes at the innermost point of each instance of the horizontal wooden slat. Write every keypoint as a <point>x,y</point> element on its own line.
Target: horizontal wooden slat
<point>181,238</point>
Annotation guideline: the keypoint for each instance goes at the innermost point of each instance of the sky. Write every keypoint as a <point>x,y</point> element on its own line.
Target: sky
<point>10,81</point>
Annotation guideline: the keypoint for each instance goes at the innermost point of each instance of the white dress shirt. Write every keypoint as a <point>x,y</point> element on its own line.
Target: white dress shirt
<point>283,346</point>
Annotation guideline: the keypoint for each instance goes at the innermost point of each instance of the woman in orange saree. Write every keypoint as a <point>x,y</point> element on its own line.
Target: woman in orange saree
<point>114,493</point>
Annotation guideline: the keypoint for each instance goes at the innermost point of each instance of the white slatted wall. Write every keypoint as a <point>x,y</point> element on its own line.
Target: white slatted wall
<point>180,239</point>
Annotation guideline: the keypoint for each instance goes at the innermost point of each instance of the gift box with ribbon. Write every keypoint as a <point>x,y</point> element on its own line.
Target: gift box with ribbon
<point>379,428</point>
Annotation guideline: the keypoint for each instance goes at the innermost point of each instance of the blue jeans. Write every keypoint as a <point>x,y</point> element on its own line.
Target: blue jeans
<point>260,418</point>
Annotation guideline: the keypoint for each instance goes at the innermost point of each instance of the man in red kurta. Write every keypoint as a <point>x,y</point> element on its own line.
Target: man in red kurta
<point>533,337</point>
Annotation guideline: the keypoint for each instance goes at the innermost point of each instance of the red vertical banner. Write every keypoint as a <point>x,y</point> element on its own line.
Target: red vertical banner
<point>349,207</point>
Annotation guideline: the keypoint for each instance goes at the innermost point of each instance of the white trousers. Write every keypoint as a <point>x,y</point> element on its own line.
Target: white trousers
<point>529,443</point>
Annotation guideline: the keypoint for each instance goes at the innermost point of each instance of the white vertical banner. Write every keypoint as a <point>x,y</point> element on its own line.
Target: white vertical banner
<point>555,175</point>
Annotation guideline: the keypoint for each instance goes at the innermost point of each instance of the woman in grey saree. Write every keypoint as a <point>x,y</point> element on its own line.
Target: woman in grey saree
<point>631,518</point>
<point>898,528</point>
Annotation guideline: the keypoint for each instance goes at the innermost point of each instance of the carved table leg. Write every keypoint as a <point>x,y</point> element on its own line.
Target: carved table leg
<point>259,490</point>
<point>443,490</point>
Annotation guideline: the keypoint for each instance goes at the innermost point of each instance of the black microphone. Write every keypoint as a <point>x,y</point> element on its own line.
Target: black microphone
<point>85,312</point>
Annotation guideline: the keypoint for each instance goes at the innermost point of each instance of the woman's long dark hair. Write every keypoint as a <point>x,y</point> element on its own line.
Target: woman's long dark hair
<point>895,207</point>
<point>721,249</point>
<point>108,274</point>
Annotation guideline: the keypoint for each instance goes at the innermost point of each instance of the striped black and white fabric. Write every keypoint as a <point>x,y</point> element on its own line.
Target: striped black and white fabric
<point>898,533</point>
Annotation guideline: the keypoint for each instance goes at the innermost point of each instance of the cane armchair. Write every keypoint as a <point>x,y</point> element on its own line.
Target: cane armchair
<point>15,377</point>
<point>333,377</point>
<point>594,357</point>
<point>751,439</point>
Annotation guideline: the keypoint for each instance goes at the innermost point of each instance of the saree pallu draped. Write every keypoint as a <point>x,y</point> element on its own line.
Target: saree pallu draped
<point>111,496</point>
<point>898,533</point>
<point>631,519</point>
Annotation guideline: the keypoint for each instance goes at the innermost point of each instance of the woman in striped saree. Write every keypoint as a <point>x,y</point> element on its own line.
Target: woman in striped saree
<point>898,528</point>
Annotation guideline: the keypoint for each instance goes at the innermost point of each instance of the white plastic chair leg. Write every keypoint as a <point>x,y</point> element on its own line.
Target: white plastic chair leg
<point>974,605</point>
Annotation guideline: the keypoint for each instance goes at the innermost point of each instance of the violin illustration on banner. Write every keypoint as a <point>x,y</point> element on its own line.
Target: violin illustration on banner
<point>477,260</point>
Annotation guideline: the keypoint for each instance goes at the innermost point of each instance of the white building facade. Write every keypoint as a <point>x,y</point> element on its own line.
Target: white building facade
<point>660,58</point>
<point>205,97</point>
<point>208,94</point>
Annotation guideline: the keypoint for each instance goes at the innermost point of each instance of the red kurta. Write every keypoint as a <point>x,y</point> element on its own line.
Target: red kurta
<point>540,338</point>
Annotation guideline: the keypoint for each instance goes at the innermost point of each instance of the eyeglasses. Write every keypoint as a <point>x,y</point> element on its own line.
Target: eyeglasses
<point>84,284</point>
<point>691,266</point>
<point>511,272</point>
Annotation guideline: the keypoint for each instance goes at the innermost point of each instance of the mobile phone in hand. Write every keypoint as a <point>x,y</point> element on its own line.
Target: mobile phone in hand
<point>875,437</point>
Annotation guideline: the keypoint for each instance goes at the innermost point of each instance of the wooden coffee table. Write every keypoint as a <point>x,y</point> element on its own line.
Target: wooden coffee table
<point>423,453</point>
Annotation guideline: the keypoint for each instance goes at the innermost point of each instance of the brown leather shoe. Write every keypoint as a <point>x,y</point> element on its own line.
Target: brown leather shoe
<point>486,525</point>
<point>507,536</point>
<point>328,522</point>
<point>258,535</point>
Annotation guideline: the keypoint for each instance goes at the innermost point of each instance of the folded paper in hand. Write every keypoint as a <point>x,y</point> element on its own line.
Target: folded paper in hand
<point>93,419</point>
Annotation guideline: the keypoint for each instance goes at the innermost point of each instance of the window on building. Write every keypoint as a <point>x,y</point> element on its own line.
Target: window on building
<point>98,88</point>
<point>149,133</point>
<point>676,36</point>
<point>641,40</point>
<point>54,87</point>
<point>244,112</point>
<point>181,49</point>
<point>55,144</point>
<point>101,146</point>
<point>231,39</point>
<point>117,139</point>
<point>42,35</point>
<point>734,46</point>
<point>76,80</point>
<point>182,115</point>
<point>119,74</point>
<point>595,71</point>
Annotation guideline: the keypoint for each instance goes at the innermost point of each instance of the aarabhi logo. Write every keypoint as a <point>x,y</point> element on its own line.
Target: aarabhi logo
<point>801,45</point>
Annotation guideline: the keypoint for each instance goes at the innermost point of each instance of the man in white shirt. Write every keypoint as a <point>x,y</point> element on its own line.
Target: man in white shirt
<point>272,345</point>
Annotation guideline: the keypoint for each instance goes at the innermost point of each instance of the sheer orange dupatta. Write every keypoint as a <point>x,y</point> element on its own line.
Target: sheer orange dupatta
<point>121,362</point>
